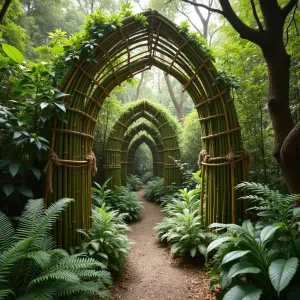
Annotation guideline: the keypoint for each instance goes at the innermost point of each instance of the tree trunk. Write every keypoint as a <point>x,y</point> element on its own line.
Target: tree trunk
<point>4,9</point>
<point>139,87</point>
<point>286,149</point>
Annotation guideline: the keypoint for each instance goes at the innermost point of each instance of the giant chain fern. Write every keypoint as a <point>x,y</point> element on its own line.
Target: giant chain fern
<point>30,266</point>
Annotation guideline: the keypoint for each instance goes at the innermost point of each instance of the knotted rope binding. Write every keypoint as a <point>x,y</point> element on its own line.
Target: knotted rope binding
<point>232,157</point>
<point>54,161</point>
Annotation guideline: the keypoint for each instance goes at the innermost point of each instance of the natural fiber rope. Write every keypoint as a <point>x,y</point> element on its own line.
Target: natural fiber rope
<point>232,157</point>
<point>55,161</point>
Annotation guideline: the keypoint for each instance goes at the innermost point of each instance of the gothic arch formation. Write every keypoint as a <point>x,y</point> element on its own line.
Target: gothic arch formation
<point>143,137</point>
<point>128,50</point>
<point>127,166</point>
<point>167,129</point>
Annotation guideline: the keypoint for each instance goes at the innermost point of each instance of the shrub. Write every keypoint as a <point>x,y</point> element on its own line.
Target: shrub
<point>147,177</point>
<point>106,241</point>
<point>183,228</point>
<point>134,183</point>
<point>30,266</point>
<point>155,189</point>
<point>261,259</point>
<point>127,203</point>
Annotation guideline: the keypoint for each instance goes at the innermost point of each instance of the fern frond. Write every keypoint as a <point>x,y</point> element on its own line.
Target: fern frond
<point>41,258</point>
<point>6,233</point>
<point>62,274</point>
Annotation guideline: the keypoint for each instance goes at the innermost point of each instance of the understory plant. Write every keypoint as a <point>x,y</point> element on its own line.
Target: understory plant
<point>183,227</point>
<point>106,241</point>
<point>120,199</point>
<point>32,268</point>
<point>260,260</point>
<point>134,183</point>
<point>155,189</point>
<point>147,177</point>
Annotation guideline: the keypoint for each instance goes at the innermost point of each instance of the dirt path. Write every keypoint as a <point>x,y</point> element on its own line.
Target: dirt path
<point>151,273</point>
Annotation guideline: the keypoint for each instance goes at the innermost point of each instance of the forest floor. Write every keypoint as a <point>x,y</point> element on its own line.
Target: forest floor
<point>151,273</point>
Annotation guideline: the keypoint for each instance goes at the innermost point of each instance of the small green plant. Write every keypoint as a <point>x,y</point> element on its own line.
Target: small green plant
<point>106,240</point>
<point>260,260</point>
<point>183,228</point>
<point>141,20</point>
<point>155,189</point>
<point>30,266</point>
<point>147,177</point>
<point>134,183</point>
<point>100,193</point>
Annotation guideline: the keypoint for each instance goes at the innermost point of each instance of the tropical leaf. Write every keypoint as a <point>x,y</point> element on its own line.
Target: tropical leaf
<point>243,292</point>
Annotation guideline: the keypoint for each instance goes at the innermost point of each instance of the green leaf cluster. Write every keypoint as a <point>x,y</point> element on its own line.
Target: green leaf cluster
<point>134,183</point>
<point>106,241</point>
<point>260,259</point>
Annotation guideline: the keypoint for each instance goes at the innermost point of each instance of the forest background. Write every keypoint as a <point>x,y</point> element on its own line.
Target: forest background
<point>34,26</point>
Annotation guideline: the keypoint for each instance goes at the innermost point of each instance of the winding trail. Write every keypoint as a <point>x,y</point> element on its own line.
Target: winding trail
<point>151,273</point>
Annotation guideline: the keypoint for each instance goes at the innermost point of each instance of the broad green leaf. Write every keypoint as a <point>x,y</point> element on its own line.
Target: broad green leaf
<point>296,212</point>
<point>242,267</point>
<point>2,121</point>
<point>13,169</point>
<point>243,292</point>
<point>44,105</point>
<point>193,251</point>
<point>267,232</point>
<point>37,173</point>
<point>247,225</point>
<point>221,225</point>
<point>60,95</point>
<point>17,134</point>
<point>25,191</point>
<point>281,271</point>
<point>267,213</point>
<point>57,49</point>
<point>3,59</point>
<point>13,53</point>
<point>60,106</point>
<point>216,243</point>
<point>234,255</point>
<point>8,189</point>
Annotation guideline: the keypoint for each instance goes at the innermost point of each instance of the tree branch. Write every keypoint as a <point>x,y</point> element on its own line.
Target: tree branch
<point>188,17</point>
<point>205,6</point>
<point>256,16</point>
<point>289,7</point>
<point>290,145</point>
<point>289,25</point>
<point>4,9</point>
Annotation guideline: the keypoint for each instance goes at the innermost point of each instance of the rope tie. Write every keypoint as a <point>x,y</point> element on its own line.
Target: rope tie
<point>231,157</point>
<point>91,159</point>
<point>54,161</point>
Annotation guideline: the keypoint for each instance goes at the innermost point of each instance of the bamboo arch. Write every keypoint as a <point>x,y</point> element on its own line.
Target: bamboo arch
<point>128,50</point>
<point>167,130</point>
<point>136,142</point>
<point>158,165</point>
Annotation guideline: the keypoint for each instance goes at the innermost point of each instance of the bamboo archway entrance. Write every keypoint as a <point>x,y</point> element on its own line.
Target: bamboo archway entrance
<point>140,139</point>
<point>126,51</point>
<point>127,166</point>
<point>167,130</point>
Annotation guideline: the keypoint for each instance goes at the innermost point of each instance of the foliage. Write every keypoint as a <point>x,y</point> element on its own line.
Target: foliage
<point>141,20</point>
<point>120,200</point>
<point>266,254</point>
<point>106,241</point>
<point>143,159</point>
<point>155,189</point>
<point>182,228</point>
<point>146,177</point>
<point>30,266</point>
<point>134,183</point>
<point>101,193</point>
<point>25,121</point>
<point>126,203</point>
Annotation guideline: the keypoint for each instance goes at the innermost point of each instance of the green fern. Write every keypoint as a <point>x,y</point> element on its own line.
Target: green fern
<point>30,266</point>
